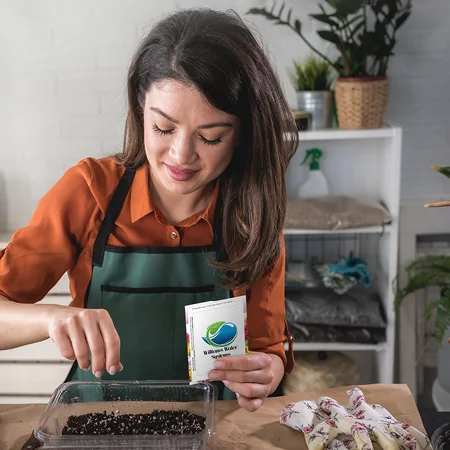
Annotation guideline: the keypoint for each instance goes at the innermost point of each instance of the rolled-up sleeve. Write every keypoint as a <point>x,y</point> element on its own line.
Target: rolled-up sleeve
<point>266,315</point>
<point>40,253</point>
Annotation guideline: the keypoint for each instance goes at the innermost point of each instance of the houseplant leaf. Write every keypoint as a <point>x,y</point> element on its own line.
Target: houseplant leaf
<point>430,308</point>
<point>288,19</point>
<point>324,18</point>
<point>387,9</point>
<point>401,19</point>
<point>330,36</point>
<point>442,308</point>
<point>445,170</point>
<point>345,8</point>
<point>427,271</point>
<point>433,262</point>
<point>430,270</point>
<point>356,29</point>
<point>262,12</point>
<point>443,315</point>
<point>350,23</point>
<point>439,204</point>
<point>311,74</point>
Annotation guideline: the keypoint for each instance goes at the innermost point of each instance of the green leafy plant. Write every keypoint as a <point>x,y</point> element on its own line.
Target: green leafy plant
<point>363,32</point>
<point>428,271</point>
<point>431,270</point>
<point>312,74</point>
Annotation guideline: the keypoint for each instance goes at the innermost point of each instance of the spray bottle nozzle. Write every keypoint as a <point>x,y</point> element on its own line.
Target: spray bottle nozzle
<point>313,155</point>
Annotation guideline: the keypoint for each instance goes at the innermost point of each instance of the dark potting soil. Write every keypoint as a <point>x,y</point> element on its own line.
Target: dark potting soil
<point>158,422</point>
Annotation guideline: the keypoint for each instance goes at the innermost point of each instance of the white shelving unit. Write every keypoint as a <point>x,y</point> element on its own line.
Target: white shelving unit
<point>365,164</point>
<point>339,135</point>
<point>337,346</point>
<point>364,230</point>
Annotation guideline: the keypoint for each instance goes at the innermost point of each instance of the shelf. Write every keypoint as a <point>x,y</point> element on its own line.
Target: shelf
<point>336,346</point>
<point>337,134</point>
<point>363,230</point>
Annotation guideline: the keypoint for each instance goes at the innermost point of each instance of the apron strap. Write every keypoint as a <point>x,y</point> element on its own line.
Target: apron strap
<point>113,211</point>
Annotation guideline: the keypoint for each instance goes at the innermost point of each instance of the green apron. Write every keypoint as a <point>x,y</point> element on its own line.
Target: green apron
<point>145,290</point>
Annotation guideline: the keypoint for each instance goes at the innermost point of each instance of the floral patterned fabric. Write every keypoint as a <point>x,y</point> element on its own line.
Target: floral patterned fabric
<point>330,425</point>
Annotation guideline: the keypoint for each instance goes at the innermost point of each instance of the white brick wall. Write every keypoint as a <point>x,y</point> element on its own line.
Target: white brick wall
<point>62,71</point>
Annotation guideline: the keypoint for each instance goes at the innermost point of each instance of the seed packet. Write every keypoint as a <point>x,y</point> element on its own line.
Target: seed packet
<point>214,330</point>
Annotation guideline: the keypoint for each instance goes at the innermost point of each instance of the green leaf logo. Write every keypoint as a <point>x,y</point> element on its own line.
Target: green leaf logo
<point>220,334</point>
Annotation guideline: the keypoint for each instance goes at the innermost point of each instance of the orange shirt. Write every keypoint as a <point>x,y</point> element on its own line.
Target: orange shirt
<point>62,232</point>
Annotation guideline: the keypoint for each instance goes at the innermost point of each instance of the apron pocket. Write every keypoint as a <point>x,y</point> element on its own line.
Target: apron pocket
<point>159,290</point>
<point>151,323</point>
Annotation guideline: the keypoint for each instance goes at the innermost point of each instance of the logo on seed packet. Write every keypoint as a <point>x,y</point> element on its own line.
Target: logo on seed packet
<point>220,334</point>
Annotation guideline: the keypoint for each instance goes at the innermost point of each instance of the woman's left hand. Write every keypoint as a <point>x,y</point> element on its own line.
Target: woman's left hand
<point>252,377</point>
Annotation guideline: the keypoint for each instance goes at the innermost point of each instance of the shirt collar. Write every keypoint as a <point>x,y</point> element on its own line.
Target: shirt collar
<point>140,200</point>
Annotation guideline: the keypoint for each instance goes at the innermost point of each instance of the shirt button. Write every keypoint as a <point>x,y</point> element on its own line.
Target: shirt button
<point>173,235</point>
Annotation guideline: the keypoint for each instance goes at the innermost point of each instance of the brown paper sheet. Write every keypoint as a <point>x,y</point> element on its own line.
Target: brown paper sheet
<point>235,427</point>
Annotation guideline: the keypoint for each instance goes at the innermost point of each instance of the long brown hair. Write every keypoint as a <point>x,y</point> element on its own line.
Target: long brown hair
<point>218,54</point>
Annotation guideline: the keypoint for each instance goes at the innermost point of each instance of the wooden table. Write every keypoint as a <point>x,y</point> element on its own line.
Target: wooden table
<point>237,428</point>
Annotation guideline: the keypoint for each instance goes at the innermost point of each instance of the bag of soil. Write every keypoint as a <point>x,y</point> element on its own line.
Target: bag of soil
<point>321,315</point>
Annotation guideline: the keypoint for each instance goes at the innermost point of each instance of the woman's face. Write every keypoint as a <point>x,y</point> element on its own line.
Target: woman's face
<point>188,142</point>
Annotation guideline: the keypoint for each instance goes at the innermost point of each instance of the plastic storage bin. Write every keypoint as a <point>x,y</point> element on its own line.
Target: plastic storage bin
<point>75,398</point>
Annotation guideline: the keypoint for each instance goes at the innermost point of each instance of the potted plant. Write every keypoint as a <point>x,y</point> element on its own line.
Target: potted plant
<point>363,33</point>
<point>424,272</point>
<point>312,80</point>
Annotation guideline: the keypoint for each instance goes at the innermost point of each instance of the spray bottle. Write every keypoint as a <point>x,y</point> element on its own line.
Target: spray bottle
<point>316,184</point>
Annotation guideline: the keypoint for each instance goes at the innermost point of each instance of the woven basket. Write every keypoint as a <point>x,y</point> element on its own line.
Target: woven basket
<point>361,102</point>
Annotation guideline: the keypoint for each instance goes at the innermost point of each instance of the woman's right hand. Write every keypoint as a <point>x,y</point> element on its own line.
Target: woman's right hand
<point>75,331</point>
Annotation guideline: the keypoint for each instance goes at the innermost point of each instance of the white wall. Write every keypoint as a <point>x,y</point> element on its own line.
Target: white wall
<point>62,70</point>
<point>420,98</point>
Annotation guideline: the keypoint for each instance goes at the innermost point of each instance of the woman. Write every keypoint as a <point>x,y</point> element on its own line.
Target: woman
<point>192,210</point>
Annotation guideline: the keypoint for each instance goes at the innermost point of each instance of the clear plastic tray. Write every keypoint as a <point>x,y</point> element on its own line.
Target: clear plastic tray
<point>76,397</point>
